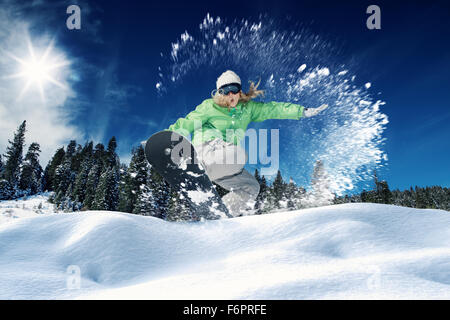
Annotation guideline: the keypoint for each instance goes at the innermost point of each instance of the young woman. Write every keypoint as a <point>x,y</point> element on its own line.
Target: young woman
<point>218,124</point>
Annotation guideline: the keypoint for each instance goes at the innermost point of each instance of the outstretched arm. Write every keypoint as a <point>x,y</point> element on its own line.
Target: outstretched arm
<point>195,119</point>
<point>281,110</point>
<point>275,110</point>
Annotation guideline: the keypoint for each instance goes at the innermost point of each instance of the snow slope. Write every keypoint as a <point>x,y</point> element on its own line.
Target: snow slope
<point>25,207</point>
<point>336,252</point>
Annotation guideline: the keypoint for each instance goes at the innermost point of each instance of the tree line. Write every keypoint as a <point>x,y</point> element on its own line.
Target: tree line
<point>434,197</point>
<point>92,178</point>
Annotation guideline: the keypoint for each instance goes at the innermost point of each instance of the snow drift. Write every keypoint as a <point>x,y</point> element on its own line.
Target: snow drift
<point>335,252</point>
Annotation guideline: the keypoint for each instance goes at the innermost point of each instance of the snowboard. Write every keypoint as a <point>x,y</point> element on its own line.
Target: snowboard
<point>175,159</point>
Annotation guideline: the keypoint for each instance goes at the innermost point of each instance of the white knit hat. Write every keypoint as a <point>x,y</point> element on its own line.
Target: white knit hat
<point>226,78</point>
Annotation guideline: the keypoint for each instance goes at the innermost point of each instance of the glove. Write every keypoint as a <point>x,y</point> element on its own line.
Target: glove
<point>309,112</point>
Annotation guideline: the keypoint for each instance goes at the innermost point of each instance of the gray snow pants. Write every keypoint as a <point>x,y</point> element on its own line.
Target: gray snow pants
<point>224,163</point>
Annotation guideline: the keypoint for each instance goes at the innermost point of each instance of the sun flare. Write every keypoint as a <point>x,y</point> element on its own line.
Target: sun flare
<point>38,70</point>
<point>35,71</point>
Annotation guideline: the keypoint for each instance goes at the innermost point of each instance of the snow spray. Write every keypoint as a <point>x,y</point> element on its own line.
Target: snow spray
<point>299,67</point>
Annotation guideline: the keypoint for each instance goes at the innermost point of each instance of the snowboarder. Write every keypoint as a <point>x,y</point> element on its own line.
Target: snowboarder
<point>230,111</point>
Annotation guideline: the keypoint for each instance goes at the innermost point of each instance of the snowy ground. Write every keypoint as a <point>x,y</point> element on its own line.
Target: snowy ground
<point>362,251</point>
<point>25,207</point>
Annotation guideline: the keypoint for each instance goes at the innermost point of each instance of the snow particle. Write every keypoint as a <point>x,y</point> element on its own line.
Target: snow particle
<point>301,68</point>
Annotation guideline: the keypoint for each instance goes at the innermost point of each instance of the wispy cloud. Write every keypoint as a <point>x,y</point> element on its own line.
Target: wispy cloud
<point>143,121</point>
<point>108,100</point>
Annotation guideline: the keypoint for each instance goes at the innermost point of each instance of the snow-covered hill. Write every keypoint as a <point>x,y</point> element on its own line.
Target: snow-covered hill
<point>25,207</point>
<point>335,252</point>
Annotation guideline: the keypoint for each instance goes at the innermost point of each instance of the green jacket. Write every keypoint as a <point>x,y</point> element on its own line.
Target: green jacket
<point>209,120</point>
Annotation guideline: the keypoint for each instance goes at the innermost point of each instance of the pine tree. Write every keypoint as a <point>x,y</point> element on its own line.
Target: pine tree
<point>49,172</point>
<point>77,204</point>
<point>87,151</point>
<point>431,194</point>
<point>122,186</point>
<point>107,189</point>
<point>301,197</point>
<point>384,194</point>
<point>67,205</point>
<point>376,194</point>
<point>145,203</point>
<point>364,196</point>
<point>5,187</point>
<point>106,195</point>
<point>14,159</point>
<point>381,194</point>
<point>57,198</point>
<point>445,204</point>
<point>79,192</point>
<point>279,191</point>
<point>93,177</point>
<point>178,208</point>
<point>270,203</point>
<point>257,176</point>
<point>162,191</point>
<point>77,159</point>
<point>91,185</point>
<point>112,160</point>
<point>259,201</point>
<point>1,167</point>
<point>395,197</point>
<point>30,179</point>
<point>421,201</point>
<point>6,190</point>
<point>87,161</point>
<point>291,193</point>
<point>99,202</point>
<point>113,163</point>
<point>125,192</point>
<point>99,155</point>
<point>413,197</point>
<point>135,177</point>
<point>64,177</point>
<point>434,197</point>
<point>71,150</point>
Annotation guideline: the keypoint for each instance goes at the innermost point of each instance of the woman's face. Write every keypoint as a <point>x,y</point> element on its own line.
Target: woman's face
<point>233,99</point>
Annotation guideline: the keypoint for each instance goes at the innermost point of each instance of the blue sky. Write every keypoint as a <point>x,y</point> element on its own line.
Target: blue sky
<point>109,85</point>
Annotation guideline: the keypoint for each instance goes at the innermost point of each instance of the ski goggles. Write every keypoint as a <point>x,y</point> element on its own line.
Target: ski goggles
<point>232,87</point>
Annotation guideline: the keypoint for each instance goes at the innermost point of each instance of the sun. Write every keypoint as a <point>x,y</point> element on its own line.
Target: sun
<point>38,70</point>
